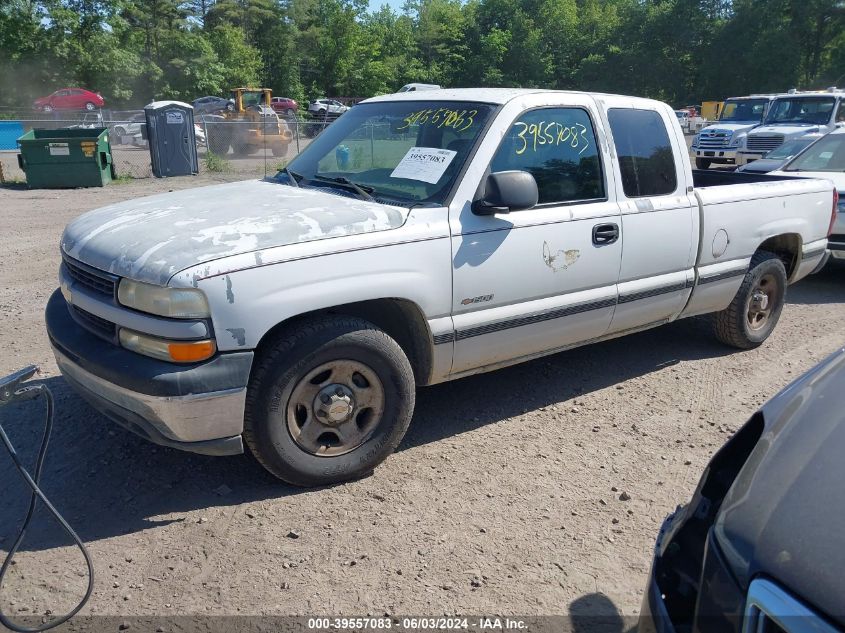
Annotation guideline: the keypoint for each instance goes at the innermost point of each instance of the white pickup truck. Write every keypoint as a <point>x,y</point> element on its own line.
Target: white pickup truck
<point>422,237</point>
<point>718,143</point>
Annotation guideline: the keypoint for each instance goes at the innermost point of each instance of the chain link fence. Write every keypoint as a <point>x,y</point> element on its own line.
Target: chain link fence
<point>250,148</point>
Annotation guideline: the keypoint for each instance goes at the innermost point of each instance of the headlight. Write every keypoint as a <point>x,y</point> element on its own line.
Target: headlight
<point>172,351</point>
<point>179,303</point>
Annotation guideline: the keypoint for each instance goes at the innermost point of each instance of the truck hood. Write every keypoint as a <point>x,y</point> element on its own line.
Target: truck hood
<point>151,239</point>
<point>782,517</point>
<point>786,130</point>
<point>729,127</point>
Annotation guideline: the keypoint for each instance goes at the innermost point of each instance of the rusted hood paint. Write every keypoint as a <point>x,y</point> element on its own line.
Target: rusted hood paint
<point>150,239</point>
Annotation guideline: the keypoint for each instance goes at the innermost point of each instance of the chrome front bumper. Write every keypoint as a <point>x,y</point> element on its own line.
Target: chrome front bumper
<point>716,155</point>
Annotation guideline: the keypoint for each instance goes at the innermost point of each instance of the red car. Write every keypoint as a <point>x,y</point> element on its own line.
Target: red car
<point>70,99</point>
<point>286,106</point>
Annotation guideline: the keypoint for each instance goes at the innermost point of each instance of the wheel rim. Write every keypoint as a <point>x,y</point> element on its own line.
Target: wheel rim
<point>335,408</point>
<point>89,106</point>
<point>762,301</point>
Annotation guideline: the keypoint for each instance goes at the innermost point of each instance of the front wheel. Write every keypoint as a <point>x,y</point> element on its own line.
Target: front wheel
<point>90,106</point>
<point>752,315</point>
<point>48,108</point>
<point>328,402</point>
<point>702,163</point>
<point>119,132</point>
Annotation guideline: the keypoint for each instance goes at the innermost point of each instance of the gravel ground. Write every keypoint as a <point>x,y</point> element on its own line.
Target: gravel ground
<point>503,498</point>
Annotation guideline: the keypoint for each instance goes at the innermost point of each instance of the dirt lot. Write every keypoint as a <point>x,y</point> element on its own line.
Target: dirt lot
<point>503,498</point>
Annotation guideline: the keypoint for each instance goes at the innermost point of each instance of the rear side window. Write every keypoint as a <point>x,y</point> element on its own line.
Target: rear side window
<point>558,147</point>
<point>646,159</point>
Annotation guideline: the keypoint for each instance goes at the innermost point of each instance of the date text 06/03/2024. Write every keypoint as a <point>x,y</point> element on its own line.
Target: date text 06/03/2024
<point>417,623</point>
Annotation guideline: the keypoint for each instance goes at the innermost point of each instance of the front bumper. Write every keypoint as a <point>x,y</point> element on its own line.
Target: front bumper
<point>836,245</point>
<point>743,158</point>
<point>718,605</point>
<point>727,155</point>
<point>197,407</point>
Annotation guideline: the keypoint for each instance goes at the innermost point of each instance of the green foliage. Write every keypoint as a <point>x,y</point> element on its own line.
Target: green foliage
<point>215,163</point>
<point>683,51</point>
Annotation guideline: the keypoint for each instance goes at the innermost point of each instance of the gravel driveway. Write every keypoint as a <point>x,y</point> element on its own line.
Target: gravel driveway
<point>503,498</point>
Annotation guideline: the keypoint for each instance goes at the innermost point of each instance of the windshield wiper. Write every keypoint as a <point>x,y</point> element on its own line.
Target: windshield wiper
<point>362,190</point>
<point>292,176</point>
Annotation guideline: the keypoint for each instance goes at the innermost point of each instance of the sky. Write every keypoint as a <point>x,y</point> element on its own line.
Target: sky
<point>396,5</point>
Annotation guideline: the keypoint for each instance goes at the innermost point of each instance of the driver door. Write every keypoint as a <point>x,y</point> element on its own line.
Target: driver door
<point>528,282</point>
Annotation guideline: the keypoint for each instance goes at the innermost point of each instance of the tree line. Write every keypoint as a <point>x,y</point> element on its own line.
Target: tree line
<point>681,51</point>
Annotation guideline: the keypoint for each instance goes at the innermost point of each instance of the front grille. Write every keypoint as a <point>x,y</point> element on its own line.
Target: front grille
<point>764,142</point>
<point>714,139</point>
<point>770,609</point>
<point>95,324</point>
<point>93,279</point>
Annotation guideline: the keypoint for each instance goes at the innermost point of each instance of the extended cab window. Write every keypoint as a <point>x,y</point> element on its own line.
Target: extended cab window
<point>645,154</point>
<point>558,147</point>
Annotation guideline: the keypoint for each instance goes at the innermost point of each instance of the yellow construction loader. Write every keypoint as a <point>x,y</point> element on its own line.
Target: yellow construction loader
<point>249,126</point>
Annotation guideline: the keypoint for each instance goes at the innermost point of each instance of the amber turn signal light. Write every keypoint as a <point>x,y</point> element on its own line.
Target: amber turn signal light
<point>191,352</point>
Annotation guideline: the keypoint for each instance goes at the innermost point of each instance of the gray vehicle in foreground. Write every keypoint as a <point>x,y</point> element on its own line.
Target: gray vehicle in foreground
<point>778,157</point>
<point>760,545</point>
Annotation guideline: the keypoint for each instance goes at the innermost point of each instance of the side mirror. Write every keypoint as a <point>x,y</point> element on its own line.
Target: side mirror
<point>505,191</point>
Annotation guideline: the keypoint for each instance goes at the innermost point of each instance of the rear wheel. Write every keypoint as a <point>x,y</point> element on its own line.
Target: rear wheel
<point>702,163</point>
<point>119,132</point>
<point>289,112</point>
<point>752,315</point>
<point>328,402</point>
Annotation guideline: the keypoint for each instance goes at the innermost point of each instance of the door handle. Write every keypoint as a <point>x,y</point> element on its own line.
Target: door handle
<point>605,234</point>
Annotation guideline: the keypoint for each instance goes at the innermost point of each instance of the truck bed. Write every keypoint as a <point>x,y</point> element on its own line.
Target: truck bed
<point>737,212</point>
<point>718,178</point>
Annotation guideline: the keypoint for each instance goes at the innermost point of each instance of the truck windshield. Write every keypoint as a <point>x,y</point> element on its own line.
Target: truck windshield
<point>807,110</point>
<point>826,154</point>
<point>406,152</point>
<point>743,110</point>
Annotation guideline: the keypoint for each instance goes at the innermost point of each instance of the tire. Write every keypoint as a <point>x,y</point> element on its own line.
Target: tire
<point>702,163</point>
<point>280,149</point>
<point>90,106</point>
<point>119,132</point>
<point>346,360</point>
<point>749,320</point>
<point>289,113</point>
<point>48,108</point>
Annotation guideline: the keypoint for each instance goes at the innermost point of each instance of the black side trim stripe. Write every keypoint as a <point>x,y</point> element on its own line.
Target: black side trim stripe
<point>721,276</point>
<point>814,253</point>
<point>534,318</point>
<point>653,292</point>
<point>440,339</point>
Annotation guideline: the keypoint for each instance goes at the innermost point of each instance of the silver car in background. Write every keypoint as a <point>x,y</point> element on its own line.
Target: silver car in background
<point>779,156</point>
<point>330,107</point>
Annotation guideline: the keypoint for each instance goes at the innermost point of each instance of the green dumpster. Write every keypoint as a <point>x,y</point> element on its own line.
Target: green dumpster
<point>67,157</point>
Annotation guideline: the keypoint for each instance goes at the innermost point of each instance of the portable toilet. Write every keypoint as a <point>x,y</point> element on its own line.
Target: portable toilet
<point>172,138</point>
